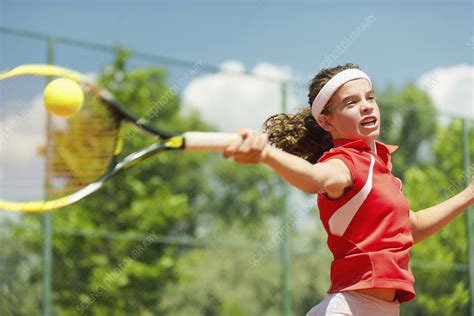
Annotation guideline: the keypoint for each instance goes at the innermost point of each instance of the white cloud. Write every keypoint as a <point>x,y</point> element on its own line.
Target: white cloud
<point>230,99</point>
<point>451,89</point>
<point>232,66</point>
<point>22,133</point>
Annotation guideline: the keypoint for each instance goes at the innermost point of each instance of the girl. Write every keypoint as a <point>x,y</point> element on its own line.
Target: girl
<point>330,149</point>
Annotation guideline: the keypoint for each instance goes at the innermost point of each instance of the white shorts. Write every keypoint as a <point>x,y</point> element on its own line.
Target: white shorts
<point>354,304</point>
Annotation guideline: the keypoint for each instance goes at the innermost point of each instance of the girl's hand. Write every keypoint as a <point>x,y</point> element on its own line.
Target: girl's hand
<point>252,149</point>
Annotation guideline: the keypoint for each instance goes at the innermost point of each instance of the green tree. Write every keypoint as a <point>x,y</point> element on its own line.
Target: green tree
<point>106,275</point>
<point>19,265</point>
<point>245,279</point>
<point>430,163</point>
<point>107,257</point>
<point>443,289</point>
<point>408,119</point>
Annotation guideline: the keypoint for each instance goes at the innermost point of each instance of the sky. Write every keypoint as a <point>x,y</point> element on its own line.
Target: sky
<point>406,39</point>
<point>396,42</point>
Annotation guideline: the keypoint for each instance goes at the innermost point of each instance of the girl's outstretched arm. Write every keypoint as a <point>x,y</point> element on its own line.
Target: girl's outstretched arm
<point>426,222</point>
<point>332,176</point>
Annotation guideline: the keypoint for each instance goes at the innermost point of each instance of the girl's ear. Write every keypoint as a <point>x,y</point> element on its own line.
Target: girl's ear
<point>325,122</point>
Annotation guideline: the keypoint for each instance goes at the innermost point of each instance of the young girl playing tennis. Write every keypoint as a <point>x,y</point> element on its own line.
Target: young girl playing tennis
<point>331,149</point>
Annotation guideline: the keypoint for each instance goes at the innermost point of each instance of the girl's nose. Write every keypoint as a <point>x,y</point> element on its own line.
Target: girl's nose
<point>366,106</point>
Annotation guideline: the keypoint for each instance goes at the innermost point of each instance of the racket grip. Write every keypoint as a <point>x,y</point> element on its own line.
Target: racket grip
<point>209,141</point>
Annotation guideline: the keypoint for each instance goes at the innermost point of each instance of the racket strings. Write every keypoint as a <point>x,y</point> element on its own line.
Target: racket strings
<point>81,153</point>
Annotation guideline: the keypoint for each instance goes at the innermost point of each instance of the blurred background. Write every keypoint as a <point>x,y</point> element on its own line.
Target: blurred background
<point>194,234</point>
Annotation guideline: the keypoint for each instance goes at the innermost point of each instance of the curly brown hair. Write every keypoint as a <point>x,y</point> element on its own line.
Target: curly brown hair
<point>299,134</point>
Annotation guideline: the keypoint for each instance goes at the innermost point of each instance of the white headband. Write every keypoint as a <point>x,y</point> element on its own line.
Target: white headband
<point>332,85</point>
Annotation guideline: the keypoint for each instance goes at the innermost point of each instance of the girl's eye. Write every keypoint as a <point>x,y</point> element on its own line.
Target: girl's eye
<point>371,97</point>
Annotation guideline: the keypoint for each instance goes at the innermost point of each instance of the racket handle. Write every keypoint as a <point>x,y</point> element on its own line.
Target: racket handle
<point>209,141</point>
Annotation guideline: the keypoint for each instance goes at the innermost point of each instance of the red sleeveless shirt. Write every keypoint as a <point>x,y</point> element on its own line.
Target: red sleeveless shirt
<point>368,228</point>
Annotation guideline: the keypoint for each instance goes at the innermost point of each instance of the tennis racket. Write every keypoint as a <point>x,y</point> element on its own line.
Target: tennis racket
<point>49,162</point>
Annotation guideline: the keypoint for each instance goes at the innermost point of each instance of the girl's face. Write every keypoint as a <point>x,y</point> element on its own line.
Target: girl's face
<point>354,112</point>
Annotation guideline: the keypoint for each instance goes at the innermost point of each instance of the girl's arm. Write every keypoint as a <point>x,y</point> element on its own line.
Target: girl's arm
<point>426,222</point>
<point>332,176</point>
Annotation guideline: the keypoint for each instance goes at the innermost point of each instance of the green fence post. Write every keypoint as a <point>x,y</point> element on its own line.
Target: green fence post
<point>285,242</point>
<point>47,219</point>
<point>467,213</point>
<point>46,227</point>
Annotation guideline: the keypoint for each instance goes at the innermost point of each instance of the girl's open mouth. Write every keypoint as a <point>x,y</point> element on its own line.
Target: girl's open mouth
<point>368,122</point>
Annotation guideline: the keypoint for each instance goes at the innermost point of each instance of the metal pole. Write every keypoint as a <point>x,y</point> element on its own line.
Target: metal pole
<point>47,218</point>
<point>285,242</point>
<point>46,223</point>
<point>467,213</point>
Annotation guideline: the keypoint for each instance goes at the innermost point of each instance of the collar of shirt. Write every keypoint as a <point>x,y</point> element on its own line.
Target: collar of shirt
<point>383,151</point>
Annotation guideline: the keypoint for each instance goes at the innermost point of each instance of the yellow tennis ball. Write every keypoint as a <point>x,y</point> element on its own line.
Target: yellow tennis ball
<point>63,97</point>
